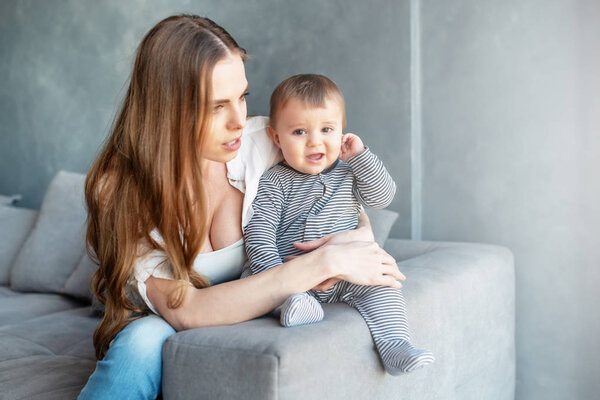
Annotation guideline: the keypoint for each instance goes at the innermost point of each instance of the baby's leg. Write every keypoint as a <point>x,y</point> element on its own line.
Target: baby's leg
<point>300,309</point>
<point>384,311</point>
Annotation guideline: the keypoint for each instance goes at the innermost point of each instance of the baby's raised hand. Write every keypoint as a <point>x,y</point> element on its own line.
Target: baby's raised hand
<point>351,146</point>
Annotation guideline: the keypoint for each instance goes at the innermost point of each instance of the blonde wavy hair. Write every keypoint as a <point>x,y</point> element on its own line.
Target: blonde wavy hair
<point>147,175</point>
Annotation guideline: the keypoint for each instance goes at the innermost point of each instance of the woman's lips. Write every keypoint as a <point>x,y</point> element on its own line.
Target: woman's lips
<point>315,158</point>
<point>233,145</point>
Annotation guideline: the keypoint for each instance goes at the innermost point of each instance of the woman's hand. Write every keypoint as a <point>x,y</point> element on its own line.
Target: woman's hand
<point>360,234</point>
<point>355,257</point>
<point>361,263</point>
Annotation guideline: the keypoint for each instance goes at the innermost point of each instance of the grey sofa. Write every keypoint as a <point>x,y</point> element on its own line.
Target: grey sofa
<point>460,299</point>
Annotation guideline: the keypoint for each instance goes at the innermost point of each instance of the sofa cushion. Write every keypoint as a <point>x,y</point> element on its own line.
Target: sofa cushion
<point>15,225</point>
<point>17,307</point>
<point>78,284</point>
<point>381,223</point>
<point>44,377</point>
<point>49,357</point>
<point>56,243</point>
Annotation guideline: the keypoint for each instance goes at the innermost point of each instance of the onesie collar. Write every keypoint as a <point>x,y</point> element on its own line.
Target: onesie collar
<point>324,172</point>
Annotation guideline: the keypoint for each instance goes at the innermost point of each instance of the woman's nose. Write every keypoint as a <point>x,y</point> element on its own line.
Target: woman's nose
<point>237,119</point>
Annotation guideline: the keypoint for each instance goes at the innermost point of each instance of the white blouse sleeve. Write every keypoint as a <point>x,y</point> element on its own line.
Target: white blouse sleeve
<point>149,263</point>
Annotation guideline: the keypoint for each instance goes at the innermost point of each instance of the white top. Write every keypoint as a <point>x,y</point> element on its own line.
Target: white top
<point>256,154</point>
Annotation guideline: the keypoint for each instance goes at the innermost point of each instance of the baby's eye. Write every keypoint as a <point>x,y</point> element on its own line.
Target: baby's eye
<point>299,132</point>
<point>327,129</point>
<point>243,98</point>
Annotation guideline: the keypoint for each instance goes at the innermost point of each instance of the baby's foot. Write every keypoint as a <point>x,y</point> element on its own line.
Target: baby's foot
<point>300,309</point>
<point>401,357</point>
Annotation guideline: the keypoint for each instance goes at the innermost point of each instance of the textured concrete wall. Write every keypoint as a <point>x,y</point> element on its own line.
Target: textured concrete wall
<point>511,147</point>
<point>64,65</point>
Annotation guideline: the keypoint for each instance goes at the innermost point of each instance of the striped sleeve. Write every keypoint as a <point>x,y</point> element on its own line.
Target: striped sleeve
<point>260,235</point>
<point>373,185</point>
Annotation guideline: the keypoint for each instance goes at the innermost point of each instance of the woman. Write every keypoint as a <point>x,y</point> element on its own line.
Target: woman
<point>160,205</point>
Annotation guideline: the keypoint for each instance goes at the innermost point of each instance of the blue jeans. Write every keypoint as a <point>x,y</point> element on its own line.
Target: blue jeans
<point>132,367</point>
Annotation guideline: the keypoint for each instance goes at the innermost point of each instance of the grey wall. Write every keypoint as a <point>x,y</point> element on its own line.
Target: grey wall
<point>64,65</point>
<point>511,155</point>
<point>510,141</point>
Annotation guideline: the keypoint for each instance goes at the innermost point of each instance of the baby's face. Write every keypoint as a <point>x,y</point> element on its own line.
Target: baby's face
<point>310,138</point>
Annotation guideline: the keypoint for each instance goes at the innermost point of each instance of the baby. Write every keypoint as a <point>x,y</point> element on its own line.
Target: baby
<point>318,190</point>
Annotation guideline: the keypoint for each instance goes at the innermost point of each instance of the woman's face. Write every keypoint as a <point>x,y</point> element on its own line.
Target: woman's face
<point>229,89</point>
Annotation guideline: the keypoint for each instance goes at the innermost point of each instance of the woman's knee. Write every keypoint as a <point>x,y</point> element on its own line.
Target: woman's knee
<point>143,338</point>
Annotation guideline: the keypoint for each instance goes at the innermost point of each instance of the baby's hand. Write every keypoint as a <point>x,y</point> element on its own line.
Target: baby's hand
<point>351,146</point>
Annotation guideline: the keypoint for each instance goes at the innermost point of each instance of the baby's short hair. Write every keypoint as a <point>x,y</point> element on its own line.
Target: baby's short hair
<point>312,89</point>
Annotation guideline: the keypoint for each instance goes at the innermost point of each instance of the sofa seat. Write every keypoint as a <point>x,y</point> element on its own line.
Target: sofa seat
<point>48,357</point>
<point>18,307</point>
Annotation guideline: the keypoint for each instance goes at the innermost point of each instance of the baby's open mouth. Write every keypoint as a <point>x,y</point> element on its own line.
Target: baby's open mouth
<point>316,157</point>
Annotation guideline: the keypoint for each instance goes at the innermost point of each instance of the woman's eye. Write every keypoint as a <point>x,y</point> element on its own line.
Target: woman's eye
<point>217,108</point>
<point>327,129</point>
<point>299,132</point>
<point>243,98</point>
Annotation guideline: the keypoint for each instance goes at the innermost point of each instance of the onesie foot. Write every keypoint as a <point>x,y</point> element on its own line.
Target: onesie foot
<point>401,357</point>
<point>300,309</point>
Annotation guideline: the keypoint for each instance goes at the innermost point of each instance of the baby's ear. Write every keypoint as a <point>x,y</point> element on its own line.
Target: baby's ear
<point>273,135</point>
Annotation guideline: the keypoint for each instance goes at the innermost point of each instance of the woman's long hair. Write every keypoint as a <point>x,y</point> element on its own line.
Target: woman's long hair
<point>148,175</point>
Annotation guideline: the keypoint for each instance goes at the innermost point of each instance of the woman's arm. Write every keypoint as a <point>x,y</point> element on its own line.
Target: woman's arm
<point>244,299</point>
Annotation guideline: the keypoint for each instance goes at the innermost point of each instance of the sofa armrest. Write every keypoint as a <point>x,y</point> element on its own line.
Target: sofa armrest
<point>460,304</point>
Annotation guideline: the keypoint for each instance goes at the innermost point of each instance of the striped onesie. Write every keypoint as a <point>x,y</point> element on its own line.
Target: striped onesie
<point>292,206</point>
